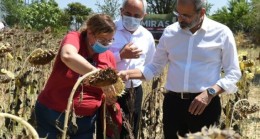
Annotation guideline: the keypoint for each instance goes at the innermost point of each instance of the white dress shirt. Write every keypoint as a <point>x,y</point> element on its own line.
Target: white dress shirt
<point>196,60</point>
<point>142,39</point>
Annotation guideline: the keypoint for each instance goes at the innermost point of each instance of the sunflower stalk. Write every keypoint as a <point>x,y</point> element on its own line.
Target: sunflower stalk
<point>67,111</point>
<point>23,122</point>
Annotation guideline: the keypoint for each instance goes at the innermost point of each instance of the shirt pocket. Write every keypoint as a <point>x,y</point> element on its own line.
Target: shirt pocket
<point>209,51</point>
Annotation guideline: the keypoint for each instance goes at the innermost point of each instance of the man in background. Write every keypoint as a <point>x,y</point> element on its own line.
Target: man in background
<point>133,47</point>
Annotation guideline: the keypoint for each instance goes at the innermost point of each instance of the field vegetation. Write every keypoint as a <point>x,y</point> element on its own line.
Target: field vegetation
<point>29,45</point>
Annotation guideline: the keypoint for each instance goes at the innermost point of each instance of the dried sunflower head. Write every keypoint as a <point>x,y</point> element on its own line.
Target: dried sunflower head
<point>249,109</point>
<point>249,63</point>
<point>213,132</point>
<point>5,48</point>
<point>41,57</point>
<point>114,90</point>
<point>47,30</point>
<point>108,80</point>
<point>6,76</point>
<point>253,108</point>
<point>103,78</point>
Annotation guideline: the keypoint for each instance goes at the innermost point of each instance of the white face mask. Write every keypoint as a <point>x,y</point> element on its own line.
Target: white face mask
<point>131,23</point>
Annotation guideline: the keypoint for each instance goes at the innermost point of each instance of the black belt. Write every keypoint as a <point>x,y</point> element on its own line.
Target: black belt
<point>183,95</point>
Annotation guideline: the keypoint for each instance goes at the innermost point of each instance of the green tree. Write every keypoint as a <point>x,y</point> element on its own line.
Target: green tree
<point>167,6</point>
<point>208,8</point>
<point>2,10</point>
<point>78,12</point>
<point>161,6</point>
<point>110,7</point>
<point>255,16</point>
<point>237,16</point>
<point>65,19</point>
<point>41,14</point>
<point>11,11</point>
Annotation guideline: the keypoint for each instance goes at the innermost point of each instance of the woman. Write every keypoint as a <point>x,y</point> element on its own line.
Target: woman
<point>80,53</point>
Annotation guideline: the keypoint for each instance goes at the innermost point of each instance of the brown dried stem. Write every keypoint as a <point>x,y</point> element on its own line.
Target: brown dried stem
<point>65,127</point>
<point>23,122</point>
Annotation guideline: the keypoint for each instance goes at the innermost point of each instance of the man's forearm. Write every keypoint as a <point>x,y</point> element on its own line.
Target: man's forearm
<point>135,74</point>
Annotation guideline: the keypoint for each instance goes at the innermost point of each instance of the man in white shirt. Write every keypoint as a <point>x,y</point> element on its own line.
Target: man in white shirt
<point>196,49</point>
<point>133,48</point>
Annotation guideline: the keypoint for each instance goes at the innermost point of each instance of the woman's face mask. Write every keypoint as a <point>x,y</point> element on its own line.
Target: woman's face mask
<point>131,23</point>
<point>100,48</point>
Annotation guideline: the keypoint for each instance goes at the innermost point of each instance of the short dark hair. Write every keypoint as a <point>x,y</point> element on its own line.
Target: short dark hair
<point>199,4</point>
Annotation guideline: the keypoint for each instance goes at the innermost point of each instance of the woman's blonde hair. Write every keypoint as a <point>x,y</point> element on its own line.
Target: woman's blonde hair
<point>98,24</point>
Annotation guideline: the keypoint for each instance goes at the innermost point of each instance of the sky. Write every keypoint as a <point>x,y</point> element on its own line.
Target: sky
<point>91,3</point>
<point>217,4</point>
<point>87,3</point>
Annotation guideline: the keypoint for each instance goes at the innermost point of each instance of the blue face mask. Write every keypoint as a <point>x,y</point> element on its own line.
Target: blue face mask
<point>99,48</point>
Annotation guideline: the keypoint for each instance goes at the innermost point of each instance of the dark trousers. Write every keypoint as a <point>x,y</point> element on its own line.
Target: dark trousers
<point>131,104</point>
<point>48,120</point>
<point>177,119</point>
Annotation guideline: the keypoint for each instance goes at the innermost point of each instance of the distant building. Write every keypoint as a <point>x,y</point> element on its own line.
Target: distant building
<point>1,25</point>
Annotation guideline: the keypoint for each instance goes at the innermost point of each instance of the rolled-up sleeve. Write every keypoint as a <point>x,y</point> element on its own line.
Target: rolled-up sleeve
<point>160,60</point>
<point>230,64</point>
<point>148,74</point>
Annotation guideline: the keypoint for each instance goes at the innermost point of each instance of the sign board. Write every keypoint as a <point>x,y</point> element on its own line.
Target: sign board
<point>156,23</point>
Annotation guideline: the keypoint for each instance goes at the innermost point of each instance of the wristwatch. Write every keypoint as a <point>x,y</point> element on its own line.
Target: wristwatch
<point>212,92</point>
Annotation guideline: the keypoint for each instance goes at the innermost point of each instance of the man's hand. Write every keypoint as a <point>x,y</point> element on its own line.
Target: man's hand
<point>123,75</point>
<point>130,51</point>
<point>199,104</point>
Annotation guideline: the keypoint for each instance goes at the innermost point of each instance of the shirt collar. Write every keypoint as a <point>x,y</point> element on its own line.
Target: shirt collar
<point>120,24</point>
<point>205,24</point>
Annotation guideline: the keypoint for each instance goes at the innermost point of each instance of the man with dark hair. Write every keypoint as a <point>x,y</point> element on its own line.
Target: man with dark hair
<point>196,49</point>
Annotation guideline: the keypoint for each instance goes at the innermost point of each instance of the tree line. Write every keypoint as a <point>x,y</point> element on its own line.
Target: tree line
<point>238,15</point>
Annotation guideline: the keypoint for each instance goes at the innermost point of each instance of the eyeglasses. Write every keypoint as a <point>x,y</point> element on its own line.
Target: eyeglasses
<point>183,16</point>
<point>105,42</point>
